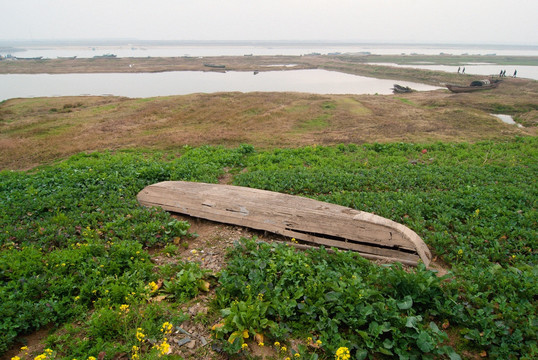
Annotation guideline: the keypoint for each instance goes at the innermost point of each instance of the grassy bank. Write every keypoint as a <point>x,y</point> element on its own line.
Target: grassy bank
<point>240,63</point>
<point>79,254</point>
<point>34,131</point>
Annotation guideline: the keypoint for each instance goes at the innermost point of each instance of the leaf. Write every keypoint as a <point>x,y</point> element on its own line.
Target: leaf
<point>425,342</point>
<point>233,336</point>
<point>412,321</point>
<point>406,304</point>
<point>204,285</point>
<point>384,351</point>
<point>258,338</point>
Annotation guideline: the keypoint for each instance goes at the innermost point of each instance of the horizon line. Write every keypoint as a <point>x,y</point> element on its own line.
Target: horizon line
<point>126,41</point>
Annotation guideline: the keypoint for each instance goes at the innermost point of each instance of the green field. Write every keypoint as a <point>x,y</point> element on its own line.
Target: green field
<point>77,255</point>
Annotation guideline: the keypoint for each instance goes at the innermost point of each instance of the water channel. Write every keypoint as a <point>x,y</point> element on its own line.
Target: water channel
<point>186,82</point>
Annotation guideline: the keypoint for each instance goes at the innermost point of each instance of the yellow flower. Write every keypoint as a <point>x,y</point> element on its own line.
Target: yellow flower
<point>140,335</point>
<point>135,356</point>
<point>244,346</point>
<point>277,343</point>
<point>91,358</point>
<point>283,349</point>
<point>342,354</point>
<point>15,358</point>
<point>153,286</point>
<point>460,251</point>
<point>24,348</point>
<point>297,355</point>
<point>319,342</point>
<point>124,308</point>
<point>167,328</point>
<point>260,344</point>
<point>40,357</point>
<point>309,339</point>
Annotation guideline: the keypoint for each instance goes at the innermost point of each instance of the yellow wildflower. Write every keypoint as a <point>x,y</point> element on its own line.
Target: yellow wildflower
<point>164,347</point>
<point>297,355</point>
<point>460,251</point>
<point>40,357</point>
<point>15,358</point>
<point>140,335</point>
<point>283,349</point>
<point>342,354</point>
<point>244,346</point>
<point>260,344</point>
<point>319,342</point>
<point>277,344</point>
<point>167,328</point>
<point>24,348</point>
<point>91,358</point>
<point>153,286</point>
<point>124,308</point>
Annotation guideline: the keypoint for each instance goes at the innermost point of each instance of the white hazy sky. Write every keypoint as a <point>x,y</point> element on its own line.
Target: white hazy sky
<point>415,21</point>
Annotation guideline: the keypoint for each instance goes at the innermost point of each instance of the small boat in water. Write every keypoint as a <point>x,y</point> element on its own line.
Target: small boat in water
<point>312,221</point>
<point>474,86</point>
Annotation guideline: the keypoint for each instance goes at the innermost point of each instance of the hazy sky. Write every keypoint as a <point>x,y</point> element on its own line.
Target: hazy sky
<point>443,21</point>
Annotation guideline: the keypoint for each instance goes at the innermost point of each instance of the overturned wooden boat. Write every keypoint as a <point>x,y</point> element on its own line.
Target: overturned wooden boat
<point>309,220</point>
<point>474,86</point>
<point>399,89</point>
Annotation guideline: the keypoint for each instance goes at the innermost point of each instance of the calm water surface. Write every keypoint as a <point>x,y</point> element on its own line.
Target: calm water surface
<point>187,82</point>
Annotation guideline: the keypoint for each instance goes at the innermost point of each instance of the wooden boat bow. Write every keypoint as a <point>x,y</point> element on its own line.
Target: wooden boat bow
<point>305,219</point>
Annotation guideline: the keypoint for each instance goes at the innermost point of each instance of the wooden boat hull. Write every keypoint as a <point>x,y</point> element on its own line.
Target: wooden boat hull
<point>305,219</point>
<point>461,89</point>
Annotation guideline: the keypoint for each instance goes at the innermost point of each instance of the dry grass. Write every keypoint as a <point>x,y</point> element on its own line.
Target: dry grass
<point>41,130</point>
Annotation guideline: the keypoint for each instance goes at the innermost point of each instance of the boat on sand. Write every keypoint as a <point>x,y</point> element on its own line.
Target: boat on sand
<point>474,86</point>
<point>311,221</point>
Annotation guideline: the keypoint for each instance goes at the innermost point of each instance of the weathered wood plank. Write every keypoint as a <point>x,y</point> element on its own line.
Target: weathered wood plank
<point>293,216</point>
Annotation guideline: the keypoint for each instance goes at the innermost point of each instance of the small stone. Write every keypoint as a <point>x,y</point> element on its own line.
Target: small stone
<point>191,344</point>
<point>183,341</point>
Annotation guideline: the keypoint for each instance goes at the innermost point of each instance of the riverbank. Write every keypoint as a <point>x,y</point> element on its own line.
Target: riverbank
<point>40,130</point>
<point>355,64</point>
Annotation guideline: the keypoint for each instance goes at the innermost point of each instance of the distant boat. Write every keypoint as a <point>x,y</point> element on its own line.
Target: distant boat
<point>256,72</point>
<point>398,89</point>
<point>32,58</point>
<point>215,66</point>
<point>105,56</point>
<point>474,86</point>
<point>67,57</point>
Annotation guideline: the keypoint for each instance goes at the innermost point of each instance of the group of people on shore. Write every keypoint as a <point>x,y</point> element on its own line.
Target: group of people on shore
<point>501,74</point>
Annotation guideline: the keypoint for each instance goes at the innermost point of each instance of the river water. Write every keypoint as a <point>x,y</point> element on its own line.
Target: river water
<point>179,83</point>
<point>187,82</point>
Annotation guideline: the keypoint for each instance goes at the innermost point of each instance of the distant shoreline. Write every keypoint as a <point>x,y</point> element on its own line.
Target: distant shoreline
<point>120,42</point>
